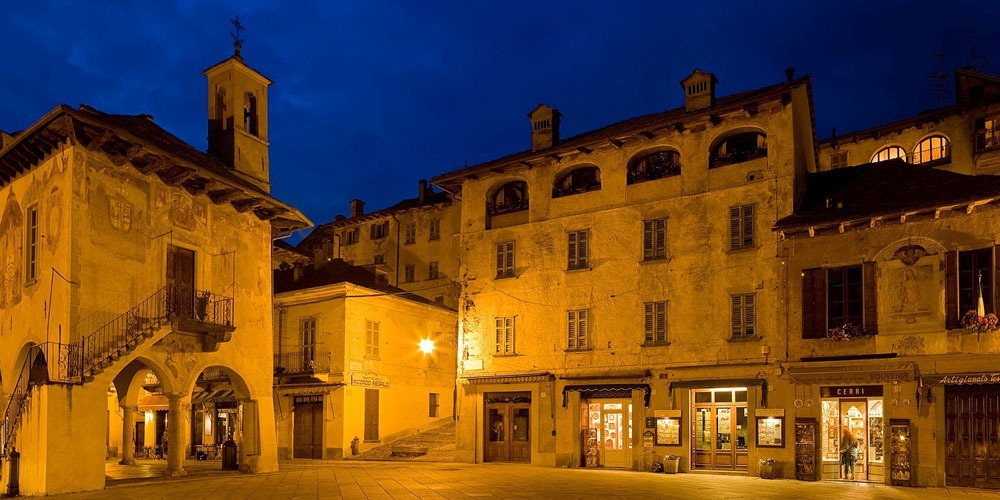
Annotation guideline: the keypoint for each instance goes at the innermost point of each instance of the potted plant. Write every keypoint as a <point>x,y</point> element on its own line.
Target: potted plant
<point>769,469</point>
<point>671,464</point>
<point>847,331</point>
<point>201,304</point>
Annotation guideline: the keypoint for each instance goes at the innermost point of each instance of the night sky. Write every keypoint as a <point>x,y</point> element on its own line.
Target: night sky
<point>370,96</point>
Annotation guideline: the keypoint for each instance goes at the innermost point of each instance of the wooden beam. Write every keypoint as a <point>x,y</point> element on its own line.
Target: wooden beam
<point>183,175</point>
<point>584,150</point>
<point>224,195</point>
<point>647,134</point>
<point>244,205</point>
<point>616,143</point>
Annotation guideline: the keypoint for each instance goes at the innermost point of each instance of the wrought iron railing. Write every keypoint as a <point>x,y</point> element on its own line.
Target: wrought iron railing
<point>740,155</point>
<point>64,362</point>
<point>291,363</point>
<point>118,336</point>
<point>506,206</point>
<point>200,305</point>
<point>18,398</point>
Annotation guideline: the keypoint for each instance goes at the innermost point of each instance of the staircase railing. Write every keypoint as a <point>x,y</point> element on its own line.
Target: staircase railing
<point>18,398</point>
<point>118,336</point>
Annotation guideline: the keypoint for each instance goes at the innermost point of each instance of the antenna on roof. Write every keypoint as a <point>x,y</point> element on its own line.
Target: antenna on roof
<point>237,35</point>
<point>974,58</point>
<point>940,91</point>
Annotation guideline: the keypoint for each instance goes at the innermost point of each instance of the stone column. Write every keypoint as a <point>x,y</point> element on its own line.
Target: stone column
<point>128,436</point>
<point>175,436</point>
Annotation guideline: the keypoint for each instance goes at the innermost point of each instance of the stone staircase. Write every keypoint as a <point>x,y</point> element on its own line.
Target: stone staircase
<point>435,444</point>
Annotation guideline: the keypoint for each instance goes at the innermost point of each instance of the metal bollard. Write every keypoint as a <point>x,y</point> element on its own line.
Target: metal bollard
<point>13,485</point>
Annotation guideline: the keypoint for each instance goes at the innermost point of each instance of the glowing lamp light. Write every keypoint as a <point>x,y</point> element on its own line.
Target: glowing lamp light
<point>427,346</point>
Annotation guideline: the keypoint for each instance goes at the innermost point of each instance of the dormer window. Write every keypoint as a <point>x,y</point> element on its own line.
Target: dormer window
<point>655,165</point>
<point>578,181</point>
<point>738,149</point>
<point>932,150</point>
<point>889,153</point>
<point>511,197</point>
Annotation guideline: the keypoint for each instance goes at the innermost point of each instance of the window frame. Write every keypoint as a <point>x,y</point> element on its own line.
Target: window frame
<point>505,259</point>
<point>937,154</point>
<point>307,338</point>
<point>582,179</point>
<point>654,239</point>
<point>410,233</point>
<point>740,155</point>
<point>379,230</point>
<point>642,167</point>
<point>31,244</point>
<point>578,250</point>
<point>351,236</point>
<point>743,311</point>
<point>740,224</point>
<point>848,288</point>
<point>409,273</point>
<point>968,296</point>
<point>838,159</point>
<point>498,203</point>
<point>435,230</point>
<point>433,270</point>
<point>875,157</point>
<point>372,350</point>
<point>578,330</point>
<point>655,323</point>
<point>506,336</point>
<point>433,405</point>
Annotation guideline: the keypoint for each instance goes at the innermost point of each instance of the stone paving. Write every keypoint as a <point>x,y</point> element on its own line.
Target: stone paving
<point>400,480</point>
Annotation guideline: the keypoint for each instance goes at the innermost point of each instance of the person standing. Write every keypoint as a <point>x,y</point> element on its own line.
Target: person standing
<point>852,458</point>
<point>846,442</point>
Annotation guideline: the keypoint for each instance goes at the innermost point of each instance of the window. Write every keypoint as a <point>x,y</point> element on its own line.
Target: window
<point>435,230</point>
<point>577,331</point>
<point>411,233</point>
<point>433,405</point>
<point>250,120</point>
<point>505,259</point>
<point>987,135</point>
<point>652,166</point>
<point>578,254</point>
<point>838,159</point>
<point>741,227</point>
<point>654,239</point>
<point>511,197</point>
<point>409,273</point>
<point>432,270</point>
<point>889,153</point>
<point>844,294</point>
<point>739,148</point>
<point>307,332</point>
<point>935,149</point>
<point>380,230</point>
<point>505,336</point>
<point>578,181</point>
<point>31,249</point>
<point>371,339</point>
<point>351,236</point>
<point>378,259</point>
<point>656,322</point>
<point>744,313</point>
<point>974,265</point>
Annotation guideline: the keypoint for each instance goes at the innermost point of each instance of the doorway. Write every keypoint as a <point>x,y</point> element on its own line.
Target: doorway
<point>180,280</point>
<point>972,451</point>
<point>853,419</point>
<point>308,427</point>
<point>609,421</point>
<point>508,423</point>
<point>721,421</point>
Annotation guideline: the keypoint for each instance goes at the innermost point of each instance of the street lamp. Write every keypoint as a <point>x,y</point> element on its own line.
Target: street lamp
<point>427,346</point>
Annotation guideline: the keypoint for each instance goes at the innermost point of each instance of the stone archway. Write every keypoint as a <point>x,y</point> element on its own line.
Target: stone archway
<point>222,415</point>
<point>136,410</point>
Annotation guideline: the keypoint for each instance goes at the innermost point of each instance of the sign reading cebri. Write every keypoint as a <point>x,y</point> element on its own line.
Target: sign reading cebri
<point>851,391</point>
<point>370,380</point>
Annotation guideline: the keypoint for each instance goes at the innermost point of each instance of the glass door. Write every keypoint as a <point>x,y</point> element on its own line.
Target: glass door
<point>720,422</point>
<point>613,422</point>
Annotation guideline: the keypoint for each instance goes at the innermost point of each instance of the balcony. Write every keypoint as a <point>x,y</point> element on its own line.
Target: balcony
<point>201,312</point>
<point>301,363</point>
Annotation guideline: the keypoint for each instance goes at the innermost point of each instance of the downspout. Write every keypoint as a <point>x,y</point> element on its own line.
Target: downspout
<point>396,284</point>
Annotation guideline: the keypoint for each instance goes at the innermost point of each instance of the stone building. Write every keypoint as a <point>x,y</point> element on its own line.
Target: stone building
<point>622,290</point>
<point>412,245</point>
<point>127,253</point>
<point>356,359</point>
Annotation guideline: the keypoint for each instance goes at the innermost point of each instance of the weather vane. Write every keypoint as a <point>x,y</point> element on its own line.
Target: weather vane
<point>237,39</point>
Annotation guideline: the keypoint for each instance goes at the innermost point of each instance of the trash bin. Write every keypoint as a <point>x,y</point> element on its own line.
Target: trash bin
<point>671,464</point>
<point>229,455</point>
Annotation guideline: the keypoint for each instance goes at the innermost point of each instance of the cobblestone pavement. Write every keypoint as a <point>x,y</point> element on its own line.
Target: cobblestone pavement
<point>396,480</point>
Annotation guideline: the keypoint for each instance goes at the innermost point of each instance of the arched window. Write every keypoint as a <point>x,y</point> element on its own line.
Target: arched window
<point>511,197</point>
<point>935,148</point>
<point>655,165</point>
<point>579,180</point>
<point>889,153</point>
<point>738,149</point>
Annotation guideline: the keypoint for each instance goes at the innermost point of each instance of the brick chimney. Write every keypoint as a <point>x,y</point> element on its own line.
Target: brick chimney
<point>423,190</point>
<point>544,127</point>
<point>699,90</point>
<point>357,208</point>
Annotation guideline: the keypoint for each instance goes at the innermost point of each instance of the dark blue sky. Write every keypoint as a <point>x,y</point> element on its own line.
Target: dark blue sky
<point>372,95</point>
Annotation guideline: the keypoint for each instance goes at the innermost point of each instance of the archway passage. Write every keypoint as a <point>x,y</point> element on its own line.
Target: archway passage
<point>223,420</point>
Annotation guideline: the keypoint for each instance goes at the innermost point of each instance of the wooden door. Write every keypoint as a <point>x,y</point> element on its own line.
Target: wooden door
<point>972,444</point>
<point>720,436</point>
<point>139,439</point>
<point>371,415</point>
<point>520,438</point>
<point>508,435</point>
<point>308,434</point>
<point>180,279</point>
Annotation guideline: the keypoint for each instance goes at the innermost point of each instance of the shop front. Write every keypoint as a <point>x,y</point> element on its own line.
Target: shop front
<point>971,428</point>
<point>721,427</point>
<point>606,416</point>
<point>852,415</point>
<point>508,435</point>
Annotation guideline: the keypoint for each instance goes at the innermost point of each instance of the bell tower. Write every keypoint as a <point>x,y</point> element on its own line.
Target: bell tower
<point>237,117</point>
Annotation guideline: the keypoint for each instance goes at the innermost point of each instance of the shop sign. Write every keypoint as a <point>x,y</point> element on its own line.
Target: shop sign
<point>851,391</point>
<point>370,380</point>
<point>974,378</point>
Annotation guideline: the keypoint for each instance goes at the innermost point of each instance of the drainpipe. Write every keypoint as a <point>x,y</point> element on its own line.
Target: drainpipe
<point>396,284</point>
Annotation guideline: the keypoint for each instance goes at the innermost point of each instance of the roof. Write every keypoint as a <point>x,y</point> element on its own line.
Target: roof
<point>885,189</point>
<point>285,252</point>
<point>627,128</point>
<point>338,271</point>
<point>137,141</point>
<point>325,231</point>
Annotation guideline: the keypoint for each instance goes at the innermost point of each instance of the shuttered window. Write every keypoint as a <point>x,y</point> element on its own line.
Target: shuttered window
<point>655,322</point>
<point>839,296</point>
<point>741,234</point>
<point>371,339</point>
<point>578,251</point>
<point>433,404</point>
<point>654,239</point>
<point>578,329</point>
<point>379,230</point>
<point>505,336</point>
<point>432,270</point>
<point>435,230</point>
<point>408,273</point>
<point>505,259</point>
<point>973,265</point>
<point>744,315</point>
<point>411,233</point>
<point>844,296</point>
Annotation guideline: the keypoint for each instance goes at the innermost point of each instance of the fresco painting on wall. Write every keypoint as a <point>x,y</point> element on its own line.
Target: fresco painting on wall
<point>11,234</point>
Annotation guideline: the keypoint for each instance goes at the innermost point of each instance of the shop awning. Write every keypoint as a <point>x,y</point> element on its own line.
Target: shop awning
<point>606,374</point>
<point>516,378</point>
<point>213,396</point>
<point>306,389</point>
<point>852,371</point>
<point>607,391</point>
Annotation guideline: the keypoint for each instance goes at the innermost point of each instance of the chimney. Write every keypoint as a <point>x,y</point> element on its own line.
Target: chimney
<point>789,73</point>
<point>544,127</point>
<point>699,90</point>
<point>357,208</point>
<point>423,190</point>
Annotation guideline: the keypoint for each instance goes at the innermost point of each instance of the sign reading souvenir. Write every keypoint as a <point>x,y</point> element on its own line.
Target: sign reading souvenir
<point>851,391</point>
<point>370,380</point>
